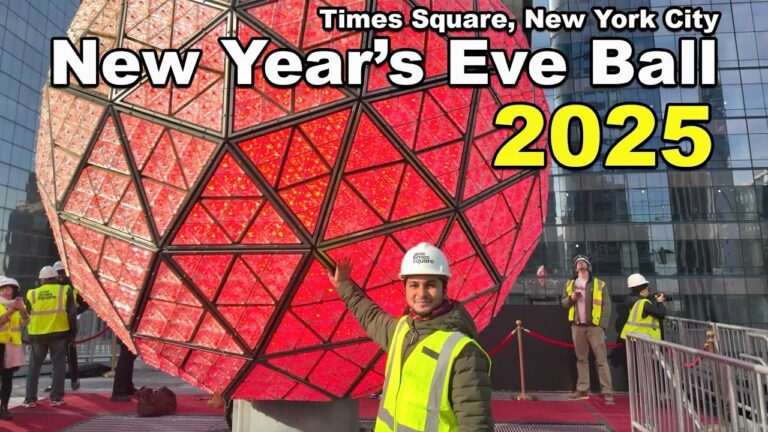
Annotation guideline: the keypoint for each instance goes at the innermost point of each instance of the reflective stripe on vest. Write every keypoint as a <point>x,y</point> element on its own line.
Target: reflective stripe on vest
<point>597,301</point>
<point>637,324</point>
<point>48,312</point>
<point>411,401</point>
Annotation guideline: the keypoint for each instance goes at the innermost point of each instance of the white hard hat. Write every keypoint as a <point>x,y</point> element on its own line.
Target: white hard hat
<point>58,266</point>
<point>48,272</point>
<point>4,281</point>
<point>636,280</point>
<point>584,258</point>
<point>424,259</point>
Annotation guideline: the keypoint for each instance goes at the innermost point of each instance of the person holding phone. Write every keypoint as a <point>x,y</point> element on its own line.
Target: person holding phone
<point>589,311</point>
<point>13,316</point>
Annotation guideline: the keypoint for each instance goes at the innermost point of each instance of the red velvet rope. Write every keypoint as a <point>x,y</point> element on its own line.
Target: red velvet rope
<point>546,339</point>
<point>567,344</point>
<point>692,364</point>
<point>501,344</point>
<point>84,340</point>
<point>555,342</point>
<point>92,337</point>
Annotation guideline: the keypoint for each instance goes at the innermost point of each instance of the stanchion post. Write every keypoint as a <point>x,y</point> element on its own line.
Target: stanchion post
<point>719,385</point>
<point>522,395</point>
<point>113,358</point>
<point>710,344</point>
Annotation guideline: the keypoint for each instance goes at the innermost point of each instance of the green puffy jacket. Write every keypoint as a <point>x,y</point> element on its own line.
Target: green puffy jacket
<point>470,384</point>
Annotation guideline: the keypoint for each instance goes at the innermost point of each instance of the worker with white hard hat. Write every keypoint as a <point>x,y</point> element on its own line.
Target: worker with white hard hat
<point>646,315</point>
<point>435,331</point>
<point>51,327</point>
<point>589,311</point>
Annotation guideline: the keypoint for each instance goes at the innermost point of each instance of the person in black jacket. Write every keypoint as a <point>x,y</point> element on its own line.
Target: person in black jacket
<point>80,307</point>
<point>646,314</point>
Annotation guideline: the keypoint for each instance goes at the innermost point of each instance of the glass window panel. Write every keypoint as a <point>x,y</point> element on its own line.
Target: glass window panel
<point>697,257</point>
<point>758,309</point>
<point>731,257</point>
<point>762,49</point>
<point>738,147</point>
<point>742,17</point>
<point>747,46</point>
<point>725,203</point>
<point>755,99</point>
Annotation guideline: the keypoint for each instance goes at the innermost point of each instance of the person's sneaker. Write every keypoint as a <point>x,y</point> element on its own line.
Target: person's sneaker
<point>57,403</point>
<point>578,395</point>
<point>609,399</point>
<point>29,403</point>
<point>4,414</point>
<point>75,385</point>
<point>120,398</point>
<point>47,389</point>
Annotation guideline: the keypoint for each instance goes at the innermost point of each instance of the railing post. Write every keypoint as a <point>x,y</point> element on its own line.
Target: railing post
<point>631,373</point>
<point>710,345</point>
<point>522,395</point>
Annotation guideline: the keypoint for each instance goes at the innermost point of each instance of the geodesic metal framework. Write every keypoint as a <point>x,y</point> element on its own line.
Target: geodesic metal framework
<point>199,222</point>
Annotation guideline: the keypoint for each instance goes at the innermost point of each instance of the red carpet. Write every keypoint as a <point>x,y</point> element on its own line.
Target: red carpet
<point>592,411</point>
<point>82,406</point>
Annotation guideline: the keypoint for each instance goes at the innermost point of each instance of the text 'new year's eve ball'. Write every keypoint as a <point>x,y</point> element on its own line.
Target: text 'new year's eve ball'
<point>199,221</point>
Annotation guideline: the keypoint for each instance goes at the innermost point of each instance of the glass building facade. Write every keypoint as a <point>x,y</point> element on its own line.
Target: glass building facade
<point>26,243</point>
<point>700,236</point>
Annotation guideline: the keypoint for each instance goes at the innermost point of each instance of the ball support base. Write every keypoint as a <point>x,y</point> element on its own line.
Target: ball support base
<point>291,416</point>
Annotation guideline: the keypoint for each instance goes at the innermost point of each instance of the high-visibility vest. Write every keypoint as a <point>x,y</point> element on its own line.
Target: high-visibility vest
<point>49,309</point>
<point>637,324</point>
<point>416,396</point>
<point>10,332</point>
<point>75,294</point>
<point>597,300</point>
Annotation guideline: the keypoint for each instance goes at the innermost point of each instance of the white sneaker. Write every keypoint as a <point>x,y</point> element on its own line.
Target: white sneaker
<point>29,403</point>
<point>57,403</point>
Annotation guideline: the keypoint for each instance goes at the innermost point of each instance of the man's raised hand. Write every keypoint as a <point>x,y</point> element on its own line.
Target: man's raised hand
<point>341,274</point>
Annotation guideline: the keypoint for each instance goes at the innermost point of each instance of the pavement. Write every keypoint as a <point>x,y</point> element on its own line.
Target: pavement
<point>89,408</point>
<point>143,375</point>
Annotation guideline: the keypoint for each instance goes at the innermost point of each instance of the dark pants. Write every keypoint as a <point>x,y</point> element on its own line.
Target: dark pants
<point>6,386</point>
<point>123,384</point>
<point>74,370</point>
<point>58,349</point>
<point>6,381</point>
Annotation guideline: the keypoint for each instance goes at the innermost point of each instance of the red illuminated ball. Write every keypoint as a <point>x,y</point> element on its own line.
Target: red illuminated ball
<point>199,222</point>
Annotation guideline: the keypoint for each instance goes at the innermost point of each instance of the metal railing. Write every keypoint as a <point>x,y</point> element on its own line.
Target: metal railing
<point>688,332</point>
<point>97,349</point>
<point>733,341</point>
<point>674,388</point>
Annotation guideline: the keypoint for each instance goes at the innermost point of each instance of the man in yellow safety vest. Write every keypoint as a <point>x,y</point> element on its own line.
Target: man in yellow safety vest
<point>51,321</point>
<point>437,376</point>
<point>646,315</point>
<point>589,310</point>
